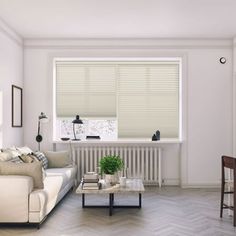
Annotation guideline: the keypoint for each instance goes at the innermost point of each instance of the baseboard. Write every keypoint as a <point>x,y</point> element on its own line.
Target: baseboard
<point>171,182</point>
<point>201,185</point>
<point>165,182</point>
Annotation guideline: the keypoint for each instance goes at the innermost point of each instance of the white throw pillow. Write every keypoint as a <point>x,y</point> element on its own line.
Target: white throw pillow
<point>12,151</point>
<point>5,156</point>
<point>24,150</point>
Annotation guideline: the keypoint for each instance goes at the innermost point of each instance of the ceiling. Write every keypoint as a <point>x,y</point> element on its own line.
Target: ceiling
<point>120,18</point>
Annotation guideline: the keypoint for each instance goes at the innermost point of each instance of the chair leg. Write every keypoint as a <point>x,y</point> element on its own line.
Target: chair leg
<point>234,216</point>
<point>222,199</point>
<point>222,189</point>
<point>228,162</point>
<point>234,198</point>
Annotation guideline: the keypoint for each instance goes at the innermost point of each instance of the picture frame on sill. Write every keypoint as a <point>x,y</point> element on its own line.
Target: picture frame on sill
<point>17,106</point>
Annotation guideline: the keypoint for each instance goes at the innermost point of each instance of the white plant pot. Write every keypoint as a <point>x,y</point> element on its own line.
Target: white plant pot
<point>111,179</point>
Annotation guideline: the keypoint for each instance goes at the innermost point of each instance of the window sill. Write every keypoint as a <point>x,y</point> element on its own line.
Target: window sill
<point>121,141</point>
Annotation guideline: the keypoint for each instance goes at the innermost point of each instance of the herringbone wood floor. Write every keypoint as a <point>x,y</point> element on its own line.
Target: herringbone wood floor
<point>165,211</point>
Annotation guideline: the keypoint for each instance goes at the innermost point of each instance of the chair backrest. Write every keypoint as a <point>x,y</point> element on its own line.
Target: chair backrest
<point>229,162</point>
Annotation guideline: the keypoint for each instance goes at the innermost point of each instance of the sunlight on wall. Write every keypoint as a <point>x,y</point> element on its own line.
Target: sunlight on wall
<point>1,115</point>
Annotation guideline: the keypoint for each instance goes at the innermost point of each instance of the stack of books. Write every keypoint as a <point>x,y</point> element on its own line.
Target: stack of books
<point>90,181</point>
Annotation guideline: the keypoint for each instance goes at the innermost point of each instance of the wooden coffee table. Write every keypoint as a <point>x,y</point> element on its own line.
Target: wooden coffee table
<point>132,186</point>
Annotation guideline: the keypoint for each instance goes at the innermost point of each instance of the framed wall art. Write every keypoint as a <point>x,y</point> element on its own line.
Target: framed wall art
<point>17,103</point>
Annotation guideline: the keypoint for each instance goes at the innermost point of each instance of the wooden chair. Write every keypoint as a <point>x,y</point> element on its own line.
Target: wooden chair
<point>230,163</point>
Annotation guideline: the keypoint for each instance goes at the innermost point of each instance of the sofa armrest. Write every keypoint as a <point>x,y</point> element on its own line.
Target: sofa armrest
<point>14,198</point>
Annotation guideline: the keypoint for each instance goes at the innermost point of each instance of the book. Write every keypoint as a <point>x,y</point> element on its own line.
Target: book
<point>97,187</point>
<point>93,137</point>
<point>90,176</point>
<point>91,188</point>
<point>90,181</point>
<point>90,184</point>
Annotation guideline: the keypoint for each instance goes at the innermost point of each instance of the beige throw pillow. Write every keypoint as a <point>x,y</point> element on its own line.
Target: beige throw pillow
<point>58,159</point>
<point>33,170</point>
<point>27,158</point>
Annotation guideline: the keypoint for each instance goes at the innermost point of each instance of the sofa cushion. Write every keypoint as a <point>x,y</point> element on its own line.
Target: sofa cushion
<point>33,170</point>
<point>8,156</point>
<point>58,159</point>
<point>5,156</point>
<point>24,150</point>
<point>15,160</point>
<point>44,200</point>
<point>12,151</point>
<point>41,157</point>
<point>14,198</point>
<point>28,158</point>
<point>66,174</point>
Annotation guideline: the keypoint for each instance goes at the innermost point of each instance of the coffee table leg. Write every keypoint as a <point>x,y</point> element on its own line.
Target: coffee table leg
<point>140,200</point>
<point>83,200</point>
<point>111,199</point>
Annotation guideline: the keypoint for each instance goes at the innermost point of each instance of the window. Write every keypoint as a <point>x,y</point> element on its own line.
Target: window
<point>132,99</point>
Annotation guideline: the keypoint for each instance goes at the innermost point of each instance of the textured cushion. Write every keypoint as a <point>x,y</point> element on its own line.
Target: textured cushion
<point>24,150</point>
<point>10,155</point>
<point>28,158</point>
<point>58,159</point>
<point>12,151</point>
<point>5,156</point>
<point>16,160</point>
<point>41,157</point>
<point>33,170</point>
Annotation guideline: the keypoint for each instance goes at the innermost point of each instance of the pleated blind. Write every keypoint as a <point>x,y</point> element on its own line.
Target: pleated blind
<point>85,89</point>
<point>148,100</point>
<point>143,96</point>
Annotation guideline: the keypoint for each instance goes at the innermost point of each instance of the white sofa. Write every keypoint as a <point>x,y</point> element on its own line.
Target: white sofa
<point>19,203</point>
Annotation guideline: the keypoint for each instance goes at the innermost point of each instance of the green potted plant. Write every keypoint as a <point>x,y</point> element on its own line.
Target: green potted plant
<point>109,166</point>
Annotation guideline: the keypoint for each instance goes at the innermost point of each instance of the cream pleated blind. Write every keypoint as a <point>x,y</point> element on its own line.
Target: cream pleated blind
<point>148,100</point>
<point>85,89</point>
<point>143,96</point>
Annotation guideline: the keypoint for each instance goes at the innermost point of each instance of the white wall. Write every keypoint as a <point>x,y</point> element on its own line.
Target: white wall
<point>11,72</point>
<point>209,115</point>
<point>207,104</point>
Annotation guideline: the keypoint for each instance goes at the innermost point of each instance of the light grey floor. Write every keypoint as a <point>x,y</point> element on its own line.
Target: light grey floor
<point>165,211</point>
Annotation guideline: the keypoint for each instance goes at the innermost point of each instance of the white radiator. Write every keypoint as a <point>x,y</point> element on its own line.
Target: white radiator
<point>141,161</point>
